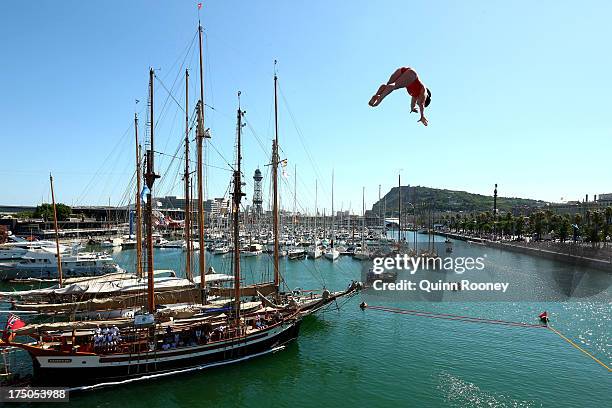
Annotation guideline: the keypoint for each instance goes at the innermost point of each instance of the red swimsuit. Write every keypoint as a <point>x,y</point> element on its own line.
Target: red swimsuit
<point>415,87</point>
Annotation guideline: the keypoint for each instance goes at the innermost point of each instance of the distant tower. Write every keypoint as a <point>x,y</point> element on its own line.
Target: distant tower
<point>257,197</point>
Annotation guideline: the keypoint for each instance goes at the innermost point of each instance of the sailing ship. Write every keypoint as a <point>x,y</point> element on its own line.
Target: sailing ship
<point>155,343</point>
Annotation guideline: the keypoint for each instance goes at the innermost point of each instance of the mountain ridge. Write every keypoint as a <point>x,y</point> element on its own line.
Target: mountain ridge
<point>449,200</point>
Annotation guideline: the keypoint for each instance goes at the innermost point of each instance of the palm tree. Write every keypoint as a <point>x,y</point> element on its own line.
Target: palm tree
<point>578,219</point>
<point>597,220</point>
<point>519,225</point>
<point>577,225</point>
<point>549,221</point>
<point>587,216</point>
<point>563,226</point>
<point>536,223</point>
<point>508,223</point>
<point>606,226</point>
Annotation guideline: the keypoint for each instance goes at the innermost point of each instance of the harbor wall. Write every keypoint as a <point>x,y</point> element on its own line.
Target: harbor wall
<point>544,253</point>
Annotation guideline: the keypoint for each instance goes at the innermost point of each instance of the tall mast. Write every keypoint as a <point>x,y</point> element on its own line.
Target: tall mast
<point>333,214</point>
<point>385,216</point>
<point>275,184</point>
<point>150,177</point>
<point>201,70</point>
<point>294,200</point>
<point>237,197</point>
<point>399,199</point>
<point>57,246</point>
<point>324,225</point>
<point>363,223</point>
<point>138,204</point>
<point>316,212</point>
<point>188,272</point>
<point>200,141</point>
<point>202,253</point>
<point>379,203</point>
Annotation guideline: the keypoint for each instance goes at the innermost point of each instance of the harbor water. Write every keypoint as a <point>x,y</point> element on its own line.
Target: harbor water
<point>345,356</point>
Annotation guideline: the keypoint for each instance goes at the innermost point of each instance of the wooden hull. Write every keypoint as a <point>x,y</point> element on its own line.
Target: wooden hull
<point>83,369</point>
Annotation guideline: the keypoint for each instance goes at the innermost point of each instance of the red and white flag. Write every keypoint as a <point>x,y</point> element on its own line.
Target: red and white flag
<point>14,322</point>
<point>199,6</point>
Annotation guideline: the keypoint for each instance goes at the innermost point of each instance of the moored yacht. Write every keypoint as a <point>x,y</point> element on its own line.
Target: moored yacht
<point>221,249</point>
<point>332,254</point>
<point>253,250</point>
<point>314,252</point>
<point>42,263</point>
<point>296,253</point>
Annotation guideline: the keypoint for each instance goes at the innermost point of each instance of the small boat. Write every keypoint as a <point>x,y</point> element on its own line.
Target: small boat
<point>296,253</point>
<point>195,246</point>
<point>314,253</point>
<point>362,255</point>
<point>252,250</point>
<point>221,249</point>
<point>165,244</point>
<point>111,243</point>
<point>128,244</point>
<point>332,254</point>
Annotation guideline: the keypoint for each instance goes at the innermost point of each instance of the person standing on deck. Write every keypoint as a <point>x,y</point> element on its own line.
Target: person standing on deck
<point>405,77</point>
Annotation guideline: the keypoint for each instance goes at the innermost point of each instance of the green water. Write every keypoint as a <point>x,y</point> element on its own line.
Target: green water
<point>350,357</point>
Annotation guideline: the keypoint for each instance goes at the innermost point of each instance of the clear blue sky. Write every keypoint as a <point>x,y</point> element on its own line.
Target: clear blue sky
<point>520,94</point>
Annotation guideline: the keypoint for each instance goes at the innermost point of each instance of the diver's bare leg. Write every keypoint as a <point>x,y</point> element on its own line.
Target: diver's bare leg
<point>386,90</point>
<point>376,95</point>
<point>394,76</point>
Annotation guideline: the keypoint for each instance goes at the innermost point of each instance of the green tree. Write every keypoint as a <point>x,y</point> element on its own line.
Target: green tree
<point>597,220</point>
<point>508,227</point>
<point>563,227</point>
<point>606,225</point>
<point>519,225</point>
<point>45,211</point>
<point>577,225</point>
<point>578,219</point>
<point>537,223</point>
<point>608,213</point>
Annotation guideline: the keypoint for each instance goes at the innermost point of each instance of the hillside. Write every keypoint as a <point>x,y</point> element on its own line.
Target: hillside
<point>449,200</point>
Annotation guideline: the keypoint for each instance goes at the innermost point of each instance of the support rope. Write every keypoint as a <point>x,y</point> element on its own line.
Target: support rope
<point>469,319</point>
<point>446,316</point>
<point>579,348</point>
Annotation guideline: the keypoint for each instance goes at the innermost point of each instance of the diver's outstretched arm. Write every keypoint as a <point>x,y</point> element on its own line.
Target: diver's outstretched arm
<point>413,108</point>
<point>422,109</point>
